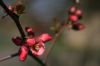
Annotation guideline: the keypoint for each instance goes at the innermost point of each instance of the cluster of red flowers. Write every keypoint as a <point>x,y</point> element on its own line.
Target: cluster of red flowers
<point>33,43</point>
<point>75,15</point>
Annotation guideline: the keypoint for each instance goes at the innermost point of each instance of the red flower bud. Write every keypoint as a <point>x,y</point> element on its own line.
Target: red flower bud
<point>73,18</point>
<point>72,10</point>
<point>17,40</point>
<point>78,26</point>
<point>29,30</point>
<point>79,13</point>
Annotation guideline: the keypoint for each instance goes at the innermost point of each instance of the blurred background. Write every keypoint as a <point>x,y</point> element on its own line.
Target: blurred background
<point>72,48</point>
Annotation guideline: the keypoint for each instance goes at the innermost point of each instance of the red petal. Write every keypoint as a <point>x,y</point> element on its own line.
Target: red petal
<point>17,40</point>
<point>45,37</point>
<point>30,41</point>
<point>23,53</point>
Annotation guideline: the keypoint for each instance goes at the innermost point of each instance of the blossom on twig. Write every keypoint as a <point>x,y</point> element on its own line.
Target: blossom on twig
<point>36,44</point>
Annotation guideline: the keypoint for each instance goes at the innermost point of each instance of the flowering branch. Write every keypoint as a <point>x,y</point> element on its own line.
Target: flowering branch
<point>15,18</point>
<point>35,45</point>
<point>74,15</point>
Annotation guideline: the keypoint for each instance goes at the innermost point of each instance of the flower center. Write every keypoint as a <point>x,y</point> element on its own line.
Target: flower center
<point>36,47</point>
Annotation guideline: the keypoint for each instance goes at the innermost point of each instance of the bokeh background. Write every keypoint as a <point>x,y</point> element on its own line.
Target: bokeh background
<point>72,48</point>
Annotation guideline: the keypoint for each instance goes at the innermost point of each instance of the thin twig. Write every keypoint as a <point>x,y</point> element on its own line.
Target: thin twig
<point>8,57</point>
<point>53,42</point>
<point>16,54</point>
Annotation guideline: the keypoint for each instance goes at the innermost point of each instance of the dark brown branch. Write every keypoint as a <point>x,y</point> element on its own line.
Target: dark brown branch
<point>14,17</point>
<point>17,22</point>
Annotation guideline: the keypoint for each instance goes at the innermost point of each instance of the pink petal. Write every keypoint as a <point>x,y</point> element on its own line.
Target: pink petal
<point>17,40</point>
<point>23,53</point>
<point>45,37</point>
<point>41,50</point>
<point>30,41</point>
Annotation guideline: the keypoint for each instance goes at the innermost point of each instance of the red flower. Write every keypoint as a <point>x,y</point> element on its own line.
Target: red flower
<point>38,49</point>
<point>34,44</point>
